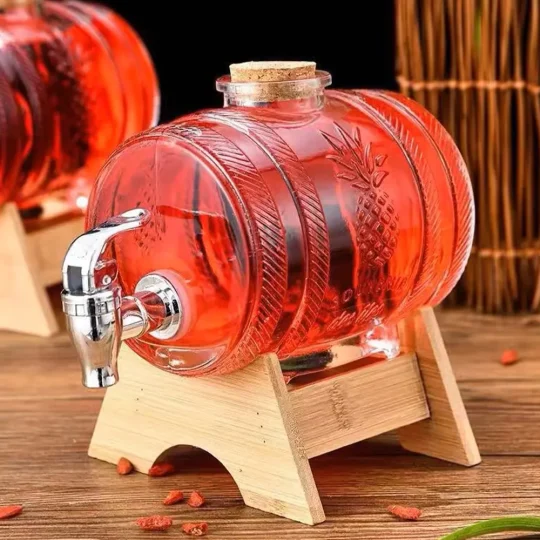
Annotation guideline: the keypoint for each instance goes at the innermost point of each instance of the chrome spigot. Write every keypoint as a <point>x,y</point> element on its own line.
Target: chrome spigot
<point>98,316</point>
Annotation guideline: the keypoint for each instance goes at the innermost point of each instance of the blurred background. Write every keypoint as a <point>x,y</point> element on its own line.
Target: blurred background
<point>191,49</point>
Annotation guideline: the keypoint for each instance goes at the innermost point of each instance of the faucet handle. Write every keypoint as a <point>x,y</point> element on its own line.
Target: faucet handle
<point>82,258</point>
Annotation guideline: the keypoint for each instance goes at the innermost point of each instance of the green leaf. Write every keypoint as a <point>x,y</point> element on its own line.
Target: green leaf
<point>497,525</point>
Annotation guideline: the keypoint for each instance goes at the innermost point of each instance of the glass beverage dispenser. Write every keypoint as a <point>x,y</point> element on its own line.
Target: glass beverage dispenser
<point>292,219</point>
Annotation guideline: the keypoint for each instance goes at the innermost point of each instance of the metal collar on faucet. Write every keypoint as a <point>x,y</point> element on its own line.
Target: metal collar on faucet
<point>98,317</point>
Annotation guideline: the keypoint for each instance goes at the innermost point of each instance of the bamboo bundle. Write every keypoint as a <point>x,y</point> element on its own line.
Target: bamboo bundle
<point>475,65</point>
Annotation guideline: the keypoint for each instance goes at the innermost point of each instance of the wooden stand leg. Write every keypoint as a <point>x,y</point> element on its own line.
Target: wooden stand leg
<point>29,263</point>
<point>243,419</point>
<point>447,434</point>
<point>24,304</point>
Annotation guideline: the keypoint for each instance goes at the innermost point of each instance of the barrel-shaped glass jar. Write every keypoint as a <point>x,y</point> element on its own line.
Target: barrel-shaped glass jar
<point>288,225</point>
<point>75,81</point>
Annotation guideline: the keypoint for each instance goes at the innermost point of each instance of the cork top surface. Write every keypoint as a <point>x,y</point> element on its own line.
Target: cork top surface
<point>272,71</point>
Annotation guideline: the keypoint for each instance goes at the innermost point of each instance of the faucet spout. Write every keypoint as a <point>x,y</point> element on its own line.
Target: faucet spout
<point>92,300</point>
<point>97,324</point>
<point>98,316</point>
<point>95,328</point>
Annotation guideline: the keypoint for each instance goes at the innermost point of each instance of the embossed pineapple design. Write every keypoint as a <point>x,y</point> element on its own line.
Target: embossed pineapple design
<point>376,218</point>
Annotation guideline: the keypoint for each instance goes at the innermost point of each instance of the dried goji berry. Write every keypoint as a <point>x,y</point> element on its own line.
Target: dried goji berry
<point>195,499</point>
<point>509,356</point>
<point>195,529</point>
<point>10,511</point>
<point>161,469</point>
<point>405,512</point>
<point>124,466</point>
<point>154,523</point>
<point>173,497</point>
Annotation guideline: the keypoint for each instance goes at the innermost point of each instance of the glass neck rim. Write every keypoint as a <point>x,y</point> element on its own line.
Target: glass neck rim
<point>255,93</point>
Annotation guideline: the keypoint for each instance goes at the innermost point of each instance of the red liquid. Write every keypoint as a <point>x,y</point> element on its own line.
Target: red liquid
<point>75,81</point>
<point>289,227</point>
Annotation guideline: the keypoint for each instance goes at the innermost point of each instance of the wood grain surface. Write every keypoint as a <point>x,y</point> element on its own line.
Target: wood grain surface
<point>47,418</point>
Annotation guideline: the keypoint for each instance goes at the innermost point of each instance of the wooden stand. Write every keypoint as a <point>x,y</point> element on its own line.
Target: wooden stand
<point>31,257</point>
<point>264,432</point>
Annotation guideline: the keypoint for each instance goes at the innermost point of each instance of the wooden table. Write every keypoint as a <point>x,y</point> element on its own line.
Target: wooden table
<point>47,417</point>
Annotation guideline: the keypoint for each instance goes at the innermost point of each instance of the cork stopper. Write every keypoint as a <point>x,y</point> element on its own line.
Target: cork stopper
<point>273,81</point>
<point>272,71</point>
